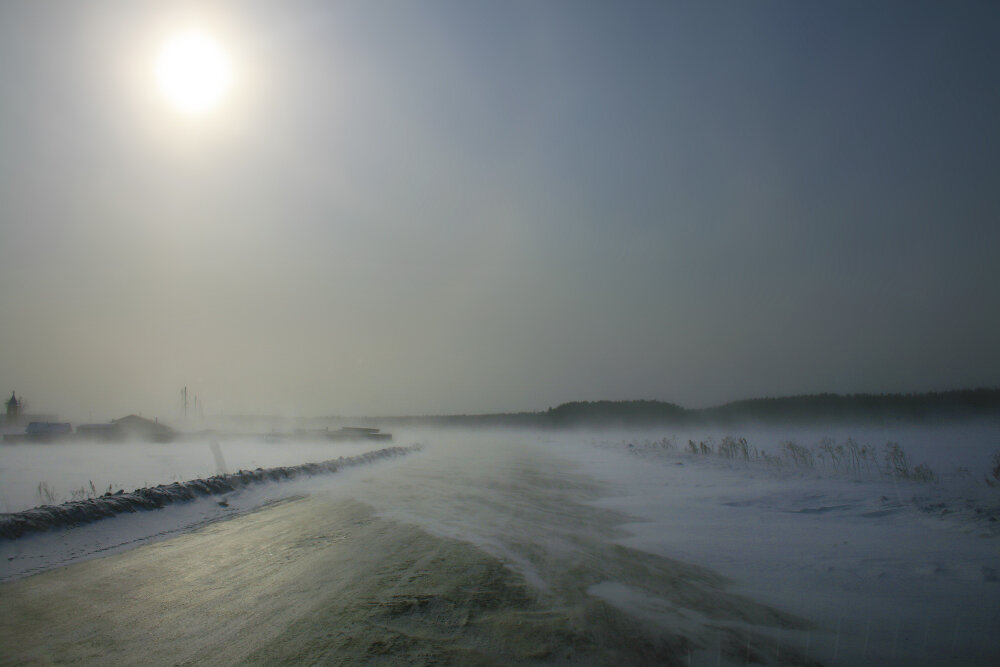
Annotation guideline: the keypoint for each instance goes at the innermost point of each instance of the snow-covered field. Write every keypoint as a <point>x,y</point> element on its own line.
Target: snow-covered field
<point>838,563</point>
<point>49,473</point>
<point>892,571</point>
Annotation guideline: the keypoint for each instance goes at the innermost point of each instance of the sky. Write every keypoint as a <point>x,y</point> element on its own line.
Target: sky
<point>441,207</point>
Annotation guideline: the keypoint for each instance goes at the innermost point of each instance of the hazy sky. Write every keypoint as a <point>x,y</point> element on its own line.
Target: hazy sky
<point>456,207</point>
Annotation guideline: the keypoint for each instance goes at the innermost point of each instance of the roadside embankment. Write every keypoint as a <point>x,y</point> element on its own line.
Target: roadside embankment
<point>38,519</point>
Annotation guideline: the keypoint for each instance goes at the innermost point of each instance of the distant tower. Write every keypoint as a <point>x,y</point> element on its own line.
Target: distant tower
<point>13,409</point>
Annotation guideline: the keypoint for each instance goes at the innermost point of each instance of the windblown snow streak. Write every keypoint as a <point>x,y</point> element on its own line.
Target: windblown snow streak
<point>38,519</point>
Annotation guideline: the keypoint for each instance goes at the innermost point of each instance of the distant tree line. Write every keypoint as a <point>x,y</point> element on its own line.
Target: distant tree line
<point>862,407</point>
<point>806,409</point>
<point>626,412</point>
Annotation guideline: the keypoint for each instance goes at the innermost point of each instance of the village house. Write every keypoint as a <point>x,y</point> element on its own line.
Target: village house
<point>132,427</point>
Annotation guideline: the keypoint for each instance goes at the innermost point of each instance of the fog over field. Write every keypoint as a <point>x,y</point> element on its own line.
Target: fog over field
<point>679,320</point>
<point>453,208</point>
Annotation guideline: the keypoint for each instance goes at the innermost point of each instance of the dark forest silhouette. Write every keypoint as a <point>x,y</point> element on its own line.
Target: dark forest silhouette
<point>805,409</point>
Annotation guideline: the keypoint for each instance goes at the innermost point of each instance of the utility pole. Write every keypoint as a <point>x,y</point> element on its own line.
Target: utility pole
<point>184,392</point>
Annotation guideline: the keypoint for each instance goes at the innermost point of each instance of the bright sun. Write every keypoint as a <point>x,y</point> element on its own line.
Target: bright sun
<point>193,72</point>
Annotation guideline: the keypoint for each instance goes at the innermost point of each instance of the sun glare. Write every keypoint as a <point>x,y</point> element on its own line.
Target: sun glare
<point>193,72</point>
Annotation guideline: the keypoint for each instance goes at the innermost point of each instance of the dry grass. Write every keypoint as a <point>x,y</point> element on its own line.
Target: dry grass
<point>847,458</point>
<point>995,472</point>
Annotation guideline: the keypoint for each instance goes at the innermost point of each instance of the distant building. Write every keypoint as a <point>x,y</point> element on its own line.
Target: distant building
<point>13,409</point>
<point>16,417</point>
<point>41,432</point>
<point>45,430</point>
<point>137,428</point>
<point>132,427</point>
<point>107,431</point>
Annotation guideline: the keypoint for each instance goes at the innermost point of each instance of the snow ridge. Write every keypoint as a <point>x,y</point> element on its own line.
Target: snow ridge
<point>38,519</point>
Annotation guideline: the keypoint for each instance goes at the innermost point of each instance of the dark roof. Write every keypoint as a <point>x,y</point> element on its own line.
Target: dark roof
<point>136,423</point>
